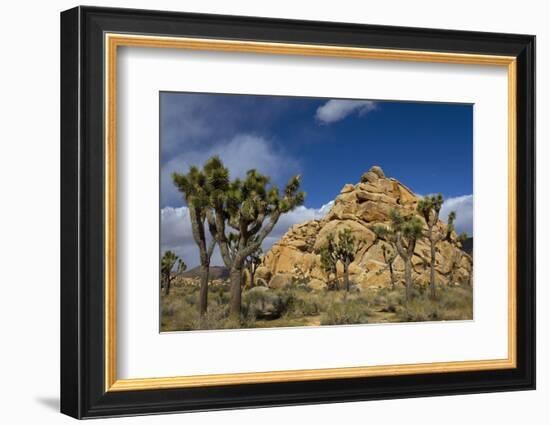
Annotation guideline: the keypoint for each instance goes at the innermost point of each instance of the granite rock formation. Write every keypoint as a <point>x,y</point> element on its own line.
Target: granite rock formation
<point>359,208</point>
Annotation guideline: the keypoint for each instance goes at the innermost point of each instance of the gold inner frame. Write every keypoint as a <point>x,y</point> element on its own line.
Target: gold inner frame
<point>113,41</point>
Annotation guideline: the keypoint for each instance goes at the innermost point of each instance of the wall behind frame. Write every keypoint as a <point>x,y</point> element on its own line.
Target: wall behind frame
<point>29,219</point>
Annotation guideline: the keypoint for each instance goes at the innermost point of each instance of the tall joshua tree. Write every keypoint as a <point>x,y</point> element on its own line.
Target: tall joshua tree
<point>329,260</point>
<point>252,263</point>
<point>407,231</point>
<point>389,250</point>
<point>195,190</point>
<point>167,263</point>
<point>249,207</point>
<point>429,208</point>
<point>457,257</point>
<point>389,257</point>
<point>345,250</point>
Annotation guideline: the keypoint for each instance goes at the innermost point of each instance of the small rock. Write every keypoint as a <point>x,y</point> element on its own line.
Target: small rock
<point>376,169</point>
<point>347,188</point>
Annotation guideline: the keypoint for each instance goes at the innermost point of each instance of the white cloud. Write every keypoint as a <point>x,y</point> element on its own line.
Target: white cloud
<point>300,214</point>
<point>239,154</point>
<point>464,208</point>
<point>336,110</point>
<point>176,231</point>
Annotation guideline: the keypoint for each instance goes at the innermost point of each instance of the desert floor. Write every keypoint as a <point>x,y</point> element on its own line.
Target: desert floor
<point>300,306</point>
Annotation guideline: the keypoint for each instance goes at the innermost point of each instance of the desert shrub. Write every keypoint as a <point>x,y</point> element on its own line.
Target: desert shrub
<point>345,313</point>
<point>261,303</point>
<point>169,308</point>
<point>220,295</point>
<point>452,303</point>
<point>389,299</point>
<point>214,318</point>
<point>419,310</point>
<point>299,303</point>
<point>179,310</point>
<point>297,306</point>
<point>456,303</point>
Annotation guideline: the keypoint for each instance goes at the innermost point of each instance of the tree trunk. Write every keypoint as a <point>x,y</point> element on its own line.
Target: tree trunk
<point>167,286</point>
<point>252,272</point>
<point>235,304</point>
<point>203,303</point>
<point>392,277</point>
<point>432,269</point>
<point>346,276</point>
<point>408,279</point>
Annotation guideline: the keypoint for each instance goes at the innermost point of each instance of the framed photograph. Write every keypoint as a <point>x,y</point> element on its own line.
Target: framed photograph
<point>261,212</point>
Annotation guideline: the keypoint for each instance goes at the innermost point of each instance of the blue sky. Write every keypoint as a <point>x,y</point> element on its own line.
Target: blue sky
<point>330,142</point>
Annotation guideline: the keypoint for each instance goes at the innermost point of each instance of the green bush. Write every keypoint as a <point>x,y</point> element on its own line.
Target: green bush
<point>260,303</point>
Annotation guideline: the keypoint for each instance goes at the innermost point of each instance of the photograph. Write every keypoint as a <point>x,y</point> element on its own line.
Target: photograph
<point>287,211</point>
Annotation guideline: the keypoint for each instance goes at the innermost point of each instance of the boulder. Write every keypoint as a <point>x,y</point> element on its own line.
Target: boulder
<point>281,280</point>
<point>373,175</point>
<point>347,188</point>
<point>263,273</point>
<point>359,208</point>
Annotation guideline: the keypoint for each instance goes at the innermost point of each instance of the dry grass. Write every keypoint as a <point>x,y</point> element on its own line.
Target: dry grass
<point>298,306</point>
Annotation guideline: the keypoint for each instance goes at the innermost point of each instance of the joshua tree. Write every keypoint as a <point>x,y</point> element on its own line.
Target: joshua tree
<point>195,190</point>
<point>329,259</point>
<point>345,250</point>
<point>389,257</point>
<point>252,209</point>
<point>167,263</point>
<point>252,263</point>
<point>457,257</point>
<point>300,276</point>
<point>429,208</point>
<point>461,238</point>
<point>406,230</point>
<point>389,250</point>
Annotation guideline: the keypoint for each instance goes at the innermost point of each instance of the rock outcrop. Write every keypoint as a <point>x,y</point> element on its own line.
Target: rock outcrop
<point>359,208</point>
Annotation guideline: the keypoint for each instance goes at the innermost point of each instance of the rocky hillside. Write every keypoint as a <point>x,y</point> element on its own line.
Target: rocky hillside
<point>360,207</point>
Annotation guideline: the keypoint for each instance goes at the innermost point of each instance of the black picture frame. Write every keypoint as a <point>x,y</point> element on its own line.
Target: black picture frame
<point>82,212</point>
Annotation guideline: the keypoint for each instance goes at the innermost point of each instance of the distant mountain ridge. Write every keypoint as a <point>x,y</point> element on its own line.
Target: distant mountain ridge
<point>216,272</point>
